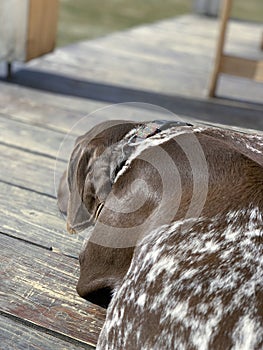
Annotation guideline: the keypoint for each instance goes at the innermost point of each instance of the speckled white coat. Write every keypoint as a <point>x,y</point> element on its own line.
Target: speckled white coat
<point>186,290</point>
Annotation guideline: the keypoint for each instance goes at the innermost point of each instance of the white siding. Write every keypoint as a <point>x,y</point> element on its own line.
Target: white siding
<point>207,7</point>
<point>13,29</point>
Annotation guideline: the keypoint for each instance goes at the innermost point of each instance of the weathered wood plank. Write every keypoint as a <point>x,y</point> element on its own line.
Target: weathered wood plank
<point>76,123</point>
<point>186,34</point>
<point>38,114</point>
<point>29,170</point>
<point>35,218</point>
<point>51,103</point>
<point>39,286</point>
<point>226,112</point>
<point>18,336</point>
<point>18,104</point>
<point>59,113</point>
<point>135,57</point>
<point>35,139</point>
<point>242,67</point>
<point>143,43</point>
<point>130,71</point>
<point>185,53</point>
<point>185,43</point>
<point>186,76</point>
<point>204,27</point>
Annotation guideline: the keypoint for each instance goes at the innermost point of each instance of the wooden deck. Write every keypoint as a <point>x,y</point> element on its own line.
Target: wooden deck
<point>167,64</point>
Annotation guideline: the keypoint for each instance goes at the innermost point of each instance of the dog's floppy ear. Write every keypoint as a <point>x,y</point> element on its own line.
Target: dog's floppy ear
<point>63,188</point>
<point>82,200</point>
<point>88,181</point>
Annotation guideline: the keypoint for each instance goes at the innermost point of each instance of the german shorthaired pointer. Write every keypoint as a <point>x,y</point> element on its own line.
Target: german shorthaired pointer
<point>185,270</point>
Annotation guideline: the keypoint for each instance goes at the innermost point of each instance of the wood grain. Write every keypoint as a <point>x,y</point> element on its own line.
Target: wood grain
<point>44,108</point>
<point>52,116</point>
<point>29,170</point>
<point>18,335</point>
<point>35,139</point>
<point>242,67</point>
<point>39,287</point>
<point>172,57</point>
<point>35,218</point>
<point>42,27</point>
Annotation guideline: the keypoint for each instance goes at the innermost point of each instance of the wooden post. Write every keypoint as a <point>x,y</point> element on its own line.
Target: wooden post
<point>28,28</point>
<point>225,13</point>
<point>42,27</point>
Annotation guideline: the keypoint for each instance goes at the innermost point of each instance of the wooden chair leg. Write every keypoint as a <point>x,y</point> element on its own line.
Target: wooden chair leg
<point>225,13</point>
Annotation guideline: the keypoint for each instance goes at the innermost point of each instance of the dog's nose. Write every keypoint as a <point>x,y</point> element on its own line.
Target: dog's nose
<point>101,297</point>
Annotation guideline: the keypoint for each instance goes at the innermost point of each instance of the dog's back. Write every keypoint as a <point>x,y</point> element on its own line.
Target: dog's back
<point>198,283</point>
<point>192,289</point>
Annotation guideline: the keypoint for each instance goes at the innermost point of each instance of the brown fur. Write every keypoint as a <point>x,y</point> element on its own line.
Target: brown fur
<point>238,183</point>
<point>235,168</point>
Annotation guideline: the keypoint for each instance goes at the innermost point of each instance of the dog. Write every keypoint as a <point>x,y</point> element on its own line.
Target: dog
<point>185,269</point>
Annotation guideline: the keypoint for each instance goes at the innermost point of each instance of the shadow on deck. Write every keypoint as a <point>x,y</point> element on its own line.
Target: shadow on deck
<point>219,110</point>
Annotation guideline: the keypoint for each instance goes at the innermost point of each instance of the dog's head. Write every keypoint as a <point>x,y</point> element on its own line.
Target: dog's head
<point>86,183</point>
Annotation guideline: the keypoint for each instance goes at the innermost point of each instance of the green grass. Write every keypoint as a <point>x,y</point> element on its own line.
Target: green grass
<point>87,19</point>
<point>249,10</point>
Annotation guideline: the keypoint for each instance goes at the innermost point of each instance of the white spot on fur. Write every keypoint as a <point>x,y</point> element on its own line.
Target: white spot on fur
<point>165,265</point>
<point>245,334</point>
<point>209,247</point>
<point>141,300</point>
<point>253,149</point>
<point>179,312</point>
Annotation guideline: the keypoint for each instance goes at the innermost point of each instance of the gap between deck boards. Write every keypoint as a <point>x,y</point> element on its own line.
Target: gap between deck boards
<point>34,335</point>
<point>39,287</point>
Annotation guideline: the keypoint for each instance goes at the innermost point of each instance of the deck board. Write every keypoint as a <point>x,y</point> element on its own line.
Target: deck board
<point>35,218</point>
<point>18,335</point>
<point>28,291</point>
<point>38,109</point>
<point>52,100</point>
<point>172,57</point>
<point>34,139</point>
<point>30,171</point>
<point>227,112</point>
